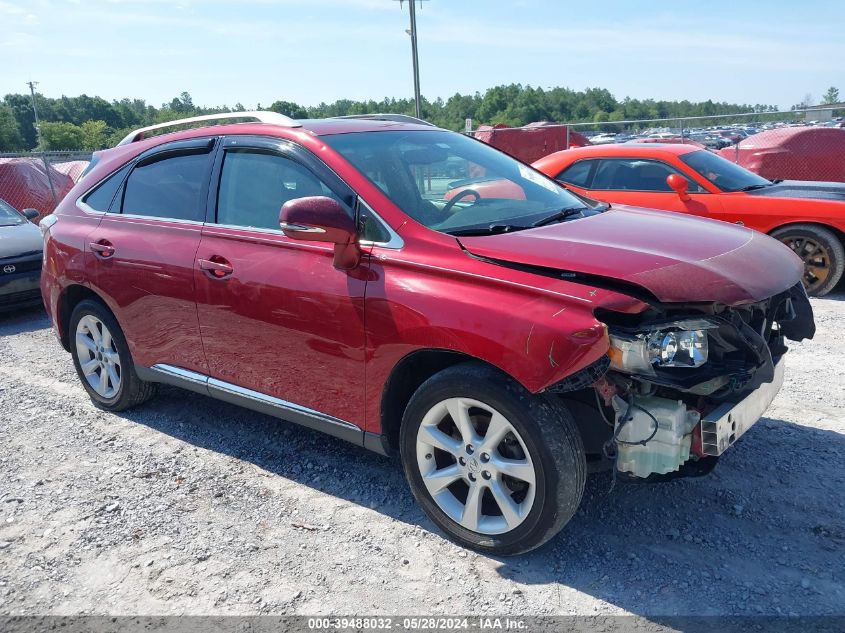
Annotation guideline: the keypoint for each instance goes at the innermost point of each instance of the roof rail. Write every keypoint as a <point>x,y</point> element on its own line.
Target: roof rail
<point>398,118</point>
<point>273,118</point>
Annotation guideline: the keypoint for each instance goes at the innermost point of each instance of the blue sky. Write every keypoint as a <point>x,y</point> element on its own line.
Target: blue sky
<point>257,51</point>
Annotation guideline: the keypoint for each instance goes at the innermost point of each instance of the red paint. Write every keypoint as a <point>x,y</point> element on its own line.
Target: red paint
<point>279,316</point>
<point>674,257</point>
<point>795,153</point>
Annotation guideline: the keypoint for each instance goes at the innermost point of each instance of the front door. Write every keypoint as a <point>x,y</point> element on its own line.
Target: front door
<point>642,183</point>
<point>276,317</point>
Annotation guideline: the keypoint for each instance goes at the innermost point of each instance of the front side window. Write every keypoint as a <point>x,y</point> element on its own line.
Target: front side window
<point>726,175</point>
<point>452,183</point>
<point>167,186</point>
<point>577,174</point>
<point>255,184</point>
<point>633,174</point>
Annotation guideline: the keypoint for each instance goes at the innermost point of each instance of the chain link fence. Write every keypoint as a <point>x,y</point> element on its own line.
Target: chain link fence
<point>36,180</point>
<point>792,145</point>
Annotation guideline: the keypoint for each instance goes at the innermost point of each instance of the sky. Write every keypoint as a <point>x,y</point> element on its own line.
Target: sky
<point>310,51</point>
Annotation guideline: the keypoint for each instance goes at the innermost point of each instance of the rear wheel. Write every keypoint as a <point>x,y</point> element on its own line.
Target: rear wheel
<point>820,250</point>
<point>102,359</point>
<point>497,468</point>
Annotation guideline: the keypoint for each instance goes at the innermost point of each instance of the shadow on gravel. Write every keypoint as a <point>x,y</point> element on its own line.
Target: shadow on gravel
<point>761,534</point>
<point>284,449</point>
<point>23,320</point>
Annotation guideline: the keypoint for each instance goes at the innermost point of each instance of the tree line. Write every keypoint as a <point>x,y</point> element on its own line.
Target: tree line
<point>91,123</point>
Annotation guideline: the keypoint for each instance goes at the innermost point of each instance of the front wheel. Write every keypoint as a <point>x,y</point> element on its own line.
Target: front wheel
<point>497,468</point>
<point>820,250</point>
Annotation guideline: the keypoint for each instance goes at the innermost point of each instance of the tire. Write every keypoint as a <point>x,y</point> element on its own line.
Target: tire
<point>815,245</point>
<point>541,441</point>
<point>109,356</point>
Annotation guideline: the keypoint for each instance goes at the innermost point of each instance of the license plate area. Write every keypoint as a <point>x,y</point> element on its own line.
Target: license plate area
<point>728,422</point>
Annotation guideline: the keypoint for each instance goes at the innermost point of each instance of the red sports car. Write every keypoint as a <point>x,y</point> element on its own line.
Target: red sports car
<point>807,216</point>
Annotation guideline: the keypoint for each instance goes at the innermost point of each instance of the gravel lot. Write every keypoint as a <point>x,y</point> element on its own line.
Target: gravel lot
<point>188,505</point>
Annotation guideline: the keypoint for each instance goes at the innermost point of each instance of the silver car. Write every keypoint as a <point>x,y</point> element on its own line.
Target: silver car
<point>21,254</point>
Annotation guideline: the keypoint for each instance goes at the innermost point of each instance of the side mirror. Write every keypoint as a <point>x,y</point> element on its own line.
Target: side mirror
<point>322,219</point>
<point>679,185</point>
<point>30,214</point>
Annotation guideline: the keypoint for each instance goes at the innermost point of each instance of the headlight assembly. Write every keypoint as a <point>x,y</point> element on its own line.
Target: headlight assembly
<point>675,344</point>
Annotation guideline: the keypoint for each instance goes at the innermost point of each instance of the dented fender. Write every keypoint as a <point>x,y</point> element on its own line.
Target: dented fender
<point>538,334</point>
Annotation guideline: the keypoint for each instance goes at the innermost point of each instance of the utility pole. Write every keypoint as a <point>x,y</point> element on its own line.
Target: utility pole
<point>415,58</point>
<point>32,85</point>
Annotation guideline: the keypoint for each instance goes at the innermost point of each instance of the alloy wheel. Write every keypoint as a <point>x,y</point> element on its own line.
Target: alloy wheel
<point>475,466</point>
<point>98,356</point>
<point>815,257</point>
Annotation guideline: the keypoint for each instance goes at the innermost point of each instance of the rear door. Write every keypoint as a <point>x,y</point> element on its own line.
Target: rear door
<point>143,252</point>
<point>280,324</point>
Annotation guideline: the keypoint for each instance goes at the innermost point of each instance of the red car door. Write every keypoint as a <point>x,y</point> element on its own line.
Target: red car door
<point>279,323</point>
<point>642,183</point>
<point>143,253</point>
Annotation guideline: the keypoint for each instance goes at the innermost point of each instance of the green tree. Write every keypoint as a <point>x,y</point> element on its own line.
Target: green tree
<point>95,135</point>
<point>831,96</point>
<point>290,109</point>
<point>11,139</point>
<point>61,135</point>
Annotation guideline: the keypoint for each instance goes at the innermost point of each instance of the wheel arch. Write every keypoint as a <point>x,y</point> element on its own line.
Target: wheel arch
<point>811,223</point>
<point>69,298</point>
<point>406,377</point>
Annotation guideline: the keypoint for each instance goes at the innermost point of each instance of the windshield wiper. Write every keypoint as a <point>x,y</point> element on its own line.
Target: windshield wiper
<point>559,215</point>
<point>493,229</point>
<point>754,187</point>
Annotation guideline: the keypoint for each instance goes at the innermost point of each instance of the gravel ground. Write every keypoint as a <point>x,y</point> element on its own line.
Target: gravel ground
<point>192,506</point>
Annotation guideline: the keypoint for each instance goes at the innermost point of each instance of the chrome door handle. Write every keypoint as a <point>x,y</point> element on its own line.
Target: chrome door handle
<point>215,269</point>
<point>102,248</point>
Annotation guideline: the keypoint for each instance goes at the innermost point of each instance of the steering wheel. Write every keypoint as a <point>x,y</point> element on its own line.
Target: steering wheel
<point>459,196</point>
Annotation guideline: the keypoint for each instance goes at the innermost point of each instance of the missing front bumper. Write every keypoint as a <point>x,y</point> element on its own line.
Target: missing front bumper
<point>726,423</point>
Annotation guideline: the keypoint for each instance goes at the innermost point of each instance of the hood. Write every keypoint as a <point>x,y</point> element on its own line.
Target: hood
<point>803,189</point>
<point>20,239</point>
<point>675,258</point>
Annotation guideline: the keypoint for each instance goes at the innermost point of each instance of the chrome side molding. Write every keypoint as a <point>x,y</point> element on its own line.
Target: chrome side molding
<point>255,401</point>
<point>301,228</point>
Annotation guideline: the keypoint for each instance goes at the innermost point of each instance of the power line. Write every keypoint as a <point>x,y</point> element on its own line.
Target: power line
<point>32,85</point>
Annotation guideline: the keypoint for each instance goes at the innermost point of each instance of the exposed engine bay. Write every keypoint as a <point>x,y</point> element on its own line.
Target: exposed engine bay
<point>681,383</point>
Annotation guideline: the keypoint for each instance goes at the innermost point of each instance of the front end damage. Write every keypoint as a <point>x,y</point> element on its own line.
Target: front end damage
<point>682,382</point>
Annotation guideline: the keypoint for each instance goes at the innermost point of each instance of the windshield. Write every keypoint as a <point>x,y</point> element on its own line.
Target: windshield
<point>452,183</point>
<point>726,175</point>
<point>8,215</point>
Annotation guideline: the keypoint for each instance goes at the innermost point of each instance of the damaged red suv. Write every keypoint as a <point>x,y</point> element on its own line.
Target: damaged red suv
<point>316,271</point>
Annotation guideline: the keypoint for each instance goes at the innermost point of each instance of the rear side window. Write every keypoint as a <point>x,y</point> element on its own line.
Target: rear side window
<point>102,197</point>
<point>169,186</point>
<point>577,174</point>
<point>254,185</point>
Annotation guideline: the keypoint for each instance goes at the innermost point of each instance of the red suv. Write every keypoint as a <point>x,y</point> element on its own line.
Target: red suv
<point>316,271</point>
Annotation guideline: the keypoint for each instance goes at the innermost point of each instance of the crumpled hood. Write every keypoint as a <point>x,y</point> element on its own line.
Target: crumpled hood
<point>19,239</point>
<point>674,257</point>
<point>806,189</point>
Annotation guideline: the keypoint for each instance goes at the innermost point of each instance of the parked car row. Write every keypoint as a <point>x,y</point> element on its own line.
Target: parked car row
<point>499,333</point>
